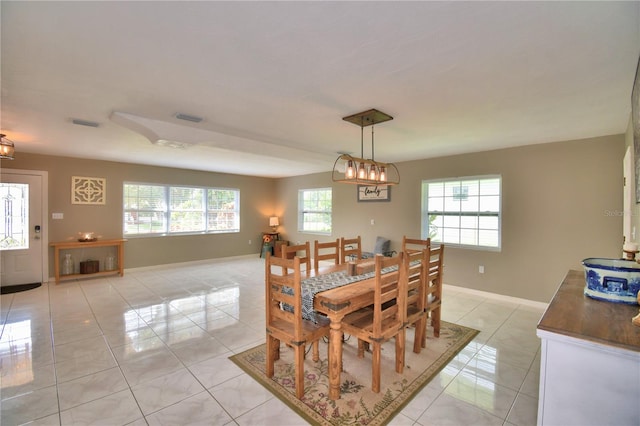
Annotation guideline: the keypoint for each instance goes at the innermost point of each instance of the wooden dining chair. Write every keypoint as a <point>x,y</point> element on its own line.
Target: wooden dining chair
<point>283,289</point>
<point>433,303</point>
<point>415,264</point>
<point>382,321</point>
<point>414,244</point>
<point>350,249</point>
<point>303,251</point>
<point>329,251</point>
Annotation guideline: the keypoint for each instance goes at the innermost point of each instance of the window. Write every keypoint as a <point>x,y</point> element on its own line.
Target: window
<point>314,210</point>
<point>463,211</point>
<point>162,209</point>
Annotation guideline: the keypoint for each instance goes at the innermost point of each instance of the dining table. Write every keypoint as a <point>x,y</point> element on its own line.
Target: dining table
<point>336,292</point>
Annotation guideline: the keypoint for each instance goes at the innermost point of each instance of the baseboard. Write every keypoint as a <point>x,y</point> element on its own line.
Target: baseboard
<point>172,265</point>
<point>190,263</point>
<point>499,297</point>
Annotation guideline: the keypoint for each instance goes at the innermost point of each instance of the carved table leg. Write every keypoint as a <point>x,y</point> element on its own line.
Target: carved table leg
<point>335,357</point>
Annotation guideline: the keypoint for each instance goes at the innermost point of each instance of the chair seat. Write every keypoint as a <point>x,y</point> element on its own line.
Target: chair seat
<point>310,330</point>
<point>363,321</point>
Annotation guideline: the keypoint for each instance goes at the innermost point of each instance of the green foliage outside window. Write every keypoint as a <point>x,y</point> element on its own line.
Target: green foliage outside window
<point>162,209</point>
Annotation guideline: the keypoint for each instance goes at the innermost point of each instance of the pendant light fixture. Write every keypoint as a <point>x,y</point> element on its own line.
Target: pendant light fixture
<point>349,169</point>
<point>6,147</point>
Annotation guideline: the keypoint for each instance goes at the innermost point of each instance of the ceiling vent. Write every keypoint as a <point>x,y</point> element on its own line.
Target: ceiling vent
<point>187,117</point>
<point>87,123</point>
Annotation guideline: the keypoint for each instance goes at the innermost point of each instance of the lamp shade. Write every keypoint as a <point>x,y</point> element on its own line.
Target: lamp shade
<point>6,148</point>
<point>273,221</point>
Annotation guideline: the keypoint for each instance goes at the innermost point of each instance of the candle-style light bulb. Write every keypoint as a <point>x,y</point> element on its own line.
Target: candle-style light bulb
<point>350,172</point>
<point>373,172</point>
<point>362,171</point>
<point>383,174</point>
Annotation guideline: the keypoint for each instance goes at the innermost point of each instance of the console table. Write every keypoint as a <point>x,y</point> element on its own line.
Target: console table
<point>67,245</point>
<point>590,360</point>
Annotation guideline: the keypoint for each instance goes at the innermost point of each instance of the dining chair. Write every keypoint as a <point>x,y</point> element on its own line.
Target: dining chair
<point>329,251</point>
<point>303,251</point>
<point>350,249</point>
<point>413,244</point>
<point>415,263</point>
<point>283,289</point>
<point>382,321</point>
<point>433,303</point>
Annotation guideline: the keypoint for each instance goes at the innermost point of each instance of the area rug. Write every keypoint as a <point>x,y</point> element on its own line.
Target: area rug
<point>18,288</point>
<point>358,404</point>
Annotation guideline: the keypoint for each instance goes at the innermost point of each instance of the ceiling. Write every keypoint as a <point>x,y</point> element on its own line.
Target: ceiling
<point>272,80</point>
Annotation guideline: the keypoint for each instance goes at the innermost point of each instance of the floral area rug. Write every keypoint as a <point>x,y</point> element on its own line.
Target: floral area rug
<point>358,404</point>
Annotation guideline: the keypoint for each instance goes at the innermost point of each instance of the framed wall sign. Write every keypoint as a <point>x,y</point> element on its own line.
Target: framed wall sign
<point>374,193</point>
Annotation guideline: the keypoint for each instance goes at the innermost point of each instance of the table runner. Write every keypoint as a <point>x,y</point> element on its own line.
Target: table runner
<point>314,285</point>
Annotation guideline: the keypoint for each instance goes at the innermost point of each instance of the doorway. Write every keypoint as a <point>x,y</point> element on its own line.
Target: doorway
<point>23,231</point>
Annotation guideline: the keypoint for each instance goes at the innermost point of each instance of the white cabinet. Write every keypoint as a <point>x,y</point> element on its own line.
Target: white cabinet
<point>590,360</point>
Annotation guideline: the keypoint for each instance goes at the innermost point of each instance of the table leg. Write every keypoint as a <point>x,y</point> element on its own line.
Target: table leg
<point>335,357</point>
<point>56,264</point>
<point>121,258</point>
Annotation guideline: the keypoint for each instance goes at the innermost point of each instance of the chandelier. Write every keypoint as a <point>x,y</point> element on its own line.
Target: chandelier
<point>349,169</point>
<point>6,147</point>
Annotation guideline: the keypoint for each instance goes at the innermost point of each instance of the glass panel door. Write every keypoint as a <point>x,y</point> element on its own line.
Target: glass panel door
<point>14,234</point>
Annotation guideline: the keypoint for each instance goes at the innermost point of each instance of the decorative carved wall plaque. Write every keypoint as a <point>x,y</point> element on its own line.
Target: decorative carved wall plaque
<point>88,190</point>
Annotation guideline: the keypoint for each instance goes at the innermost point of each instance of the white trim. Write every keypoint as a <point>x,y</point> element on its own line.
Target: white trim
<point>44,227</point>
<point>499,297</point>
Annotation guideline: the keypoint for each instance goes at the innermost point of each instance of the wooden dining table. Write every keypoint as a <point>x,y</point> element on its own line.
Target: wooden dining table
<point>335,303</point>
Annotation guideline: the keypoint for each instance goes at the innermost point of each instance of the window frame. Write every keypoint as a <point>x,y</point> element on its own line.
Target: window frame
<point>302,212</point>
<point>166,211</point>
<point>426,213</point>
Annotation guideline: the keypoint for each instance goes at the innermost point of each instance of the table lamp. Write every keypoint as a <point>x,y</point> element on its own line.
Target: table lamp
<point>274,223</point>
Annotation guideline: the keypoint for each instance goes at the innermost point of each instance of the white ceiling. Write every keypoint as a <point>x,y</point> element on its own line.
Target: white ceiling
<point>273,80</point>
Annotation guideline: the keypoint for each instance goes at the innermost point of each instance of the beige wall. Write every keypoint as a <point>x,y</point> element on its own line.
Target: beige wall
<point>555,203</point>
<point>556,199</point>
<point>256,205</point>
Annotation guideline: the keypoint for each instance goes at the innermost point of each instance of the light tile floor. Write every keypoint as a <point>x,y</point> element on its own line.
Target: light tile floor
<point>152,348</point>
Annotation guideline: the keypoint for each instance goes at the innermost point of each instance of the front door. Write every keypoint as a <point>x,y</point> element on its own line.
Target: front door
<point>21,230</point>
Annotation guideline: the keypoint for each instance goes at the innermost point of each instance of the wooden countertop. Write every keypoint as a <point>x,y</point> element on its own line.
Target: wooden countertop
<point>573,314</point>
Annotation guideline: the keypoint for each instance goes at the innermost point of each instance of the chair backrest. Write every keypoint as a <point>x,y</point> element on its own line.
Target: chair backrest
<point>303,251</point>
<point>416,264</point>
<point>326,251</point>
<point>435,270</point>
<point>350,249</point>
<point>413,244</point>
<point>283,290</point>
<point>390,286</point>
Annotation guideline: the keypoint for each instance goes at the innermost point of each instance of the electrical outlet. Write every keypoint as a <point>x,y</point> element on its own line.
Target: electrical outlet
<point>249,241</point>
<point>481,269</point>
<point>373,222</point>
<point>57,215</point>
